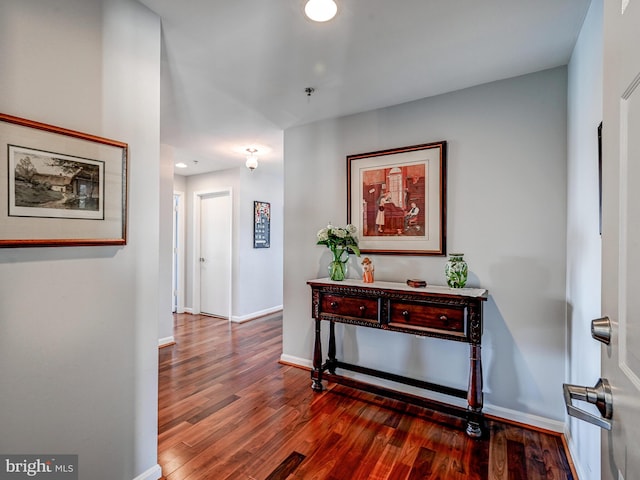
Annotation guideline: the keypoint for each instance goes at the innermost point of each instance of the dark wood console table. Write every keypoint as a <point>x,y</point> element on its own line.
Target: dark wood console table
<point>434,311</point>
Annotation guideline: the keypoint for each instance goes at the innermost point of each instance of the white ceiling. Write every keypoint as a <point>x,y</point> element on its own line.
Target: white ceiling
<point>235,71</point>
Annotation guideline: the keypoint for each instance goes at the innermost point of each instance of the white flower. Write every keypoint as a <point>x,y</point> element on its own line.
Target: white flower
<point>339,239</point>
<point>323,234</point>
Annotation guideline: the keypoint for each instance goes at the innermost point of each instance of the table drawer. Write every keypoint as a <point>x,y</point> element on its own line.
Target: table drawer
<point>358,307</point>
<point>427,316</point>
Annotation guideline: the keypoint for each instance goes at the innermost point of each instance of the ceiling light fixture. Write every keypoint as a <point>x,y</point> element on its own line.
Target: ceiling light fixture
<point>252,160</point>
<point>320,10</point>
<point>181,165</point>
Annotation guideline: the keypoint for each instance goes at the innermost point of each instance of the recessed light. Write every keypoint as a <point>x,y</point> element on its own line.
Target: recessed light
<point>320,10</point>
<point>181,165</point>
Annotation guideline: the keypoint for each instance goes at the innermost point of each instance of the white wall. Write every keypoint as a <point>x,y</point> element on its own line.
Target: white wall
<point>79,324</point>
<point>257,272</point>
<point>179,183</point>
<point>506,212</point>
<point>583,238</point>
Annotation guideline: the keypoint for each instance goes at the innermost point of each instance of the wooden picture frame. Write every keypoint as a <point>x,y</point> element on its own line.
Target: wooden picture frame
<point>60,187</point>
<point>397,199</point>
<point>261,224</point>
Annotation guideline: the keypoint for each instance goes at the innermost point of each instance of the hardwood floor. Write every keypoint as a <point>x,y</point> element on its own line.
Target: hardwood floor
<point>229,410</point>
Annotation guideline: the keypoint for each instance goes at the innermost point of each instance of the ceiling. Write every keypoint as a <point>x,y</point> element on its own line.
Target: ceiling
<point>234,72</point>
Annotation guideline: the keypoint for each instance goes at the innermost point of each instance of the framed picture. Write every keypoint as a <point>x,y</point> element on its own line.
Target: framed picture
<point>60,187</point>
<point>261,224</point>
<point>600,178</point>
<point>397,199</point>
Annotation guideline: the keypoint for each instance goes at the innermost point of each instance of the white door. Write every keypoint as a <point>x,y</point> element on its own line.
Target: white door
<point>215,254</point>
<point>621,236</point>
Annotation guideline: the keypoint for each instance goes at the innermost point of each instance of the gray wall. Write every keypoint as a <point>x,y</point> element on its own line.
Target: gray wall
<point>583,239</point>
<point>78,341</point>
<point>506,211</point>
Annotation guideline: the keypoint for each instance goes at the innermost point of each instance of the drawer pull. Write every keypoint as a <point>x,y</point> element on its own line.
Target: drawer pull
<point>334,304</point>
<point>405,313</point>
<point>362,308</point>
<point>444,319</point>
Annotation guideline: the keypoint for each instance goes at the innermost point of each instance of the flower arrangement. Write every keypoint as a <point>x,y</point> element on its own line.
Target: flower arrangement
<point>339,240</point>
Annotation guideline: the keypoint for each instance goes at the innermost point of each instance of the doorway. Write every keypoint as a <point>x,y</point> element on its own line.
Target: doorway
<point>213,252</point>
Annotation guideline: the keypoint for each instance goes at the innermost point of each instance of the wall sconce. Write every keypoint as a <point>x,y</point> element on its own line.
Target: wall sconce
<point>252,160</point>
<point>320,10</point>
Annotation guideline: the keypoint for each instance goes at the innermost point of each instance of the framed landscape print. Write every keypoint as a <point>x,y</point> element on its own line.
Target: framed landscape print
<point>397,199</point>
<point>60,187</point>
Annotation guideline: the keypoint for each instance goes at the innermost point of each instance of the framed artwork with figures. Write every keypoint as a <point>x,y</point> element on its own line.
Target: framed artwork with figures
<point>397,199</point>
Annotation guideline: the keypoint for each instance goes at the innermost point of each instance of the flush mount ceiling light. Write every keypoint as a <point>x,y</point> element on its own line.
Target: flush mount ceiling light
<point>320,10</point>
<point>181,165</point>
<point>252,160</point>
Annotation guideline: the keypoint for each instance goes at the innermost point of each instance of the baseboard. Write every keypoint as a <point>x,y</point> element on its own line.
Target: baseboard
<point>296,361</point>
<point>529,419</point>
<point>499,413</point>
<point>166,341</point>
<point>188,310</point>
<point>154,473</point>
<point>254,315</point>
<point>572,453</point>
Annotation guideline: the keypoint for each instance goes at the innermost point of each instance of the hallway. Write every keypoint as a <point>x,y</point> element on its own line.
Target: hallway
<point>229,410</point>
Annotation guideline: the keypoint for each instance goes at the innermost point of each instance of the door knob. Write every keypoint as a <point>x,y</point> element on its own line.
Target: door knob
<point>600,396</point>
<point>601,330</point>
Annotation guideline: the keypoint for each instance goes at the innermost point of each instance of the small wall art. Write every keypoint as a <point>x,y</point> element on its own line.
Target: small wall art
<point>261,224</point>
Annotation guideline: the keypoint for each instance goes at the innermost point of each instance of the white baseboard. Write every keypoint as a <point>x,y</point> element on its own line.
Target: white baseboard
<point>500,412</point>
<point>301,362</point>
<point>188,310</point>
<point>154,473</point>
<point>526,418</point>
<point>574,453</point>
<point>166,341</point>
<point>254,315</point>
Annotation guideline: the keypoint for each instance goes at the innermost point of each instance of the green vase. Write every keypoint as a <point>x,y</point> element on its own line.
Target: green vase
<point>338,266</point>
<point>338,270</point>
<point>456,271</point>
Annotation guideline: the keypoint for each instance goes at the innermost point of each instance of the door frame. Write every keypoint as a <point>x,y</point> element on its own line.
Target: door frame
<point>197,201</point>
<point>178,263</point>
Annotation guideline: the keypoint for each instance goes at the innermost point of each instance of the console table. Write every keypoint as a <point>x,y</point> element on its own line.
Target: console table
<point>433,311</point>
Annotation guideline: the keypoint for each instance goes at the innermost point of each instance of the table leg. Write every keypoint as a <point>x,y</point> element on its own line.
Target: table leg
<point>332,348</point>
<point>316,373</point>
<point>474,393</point>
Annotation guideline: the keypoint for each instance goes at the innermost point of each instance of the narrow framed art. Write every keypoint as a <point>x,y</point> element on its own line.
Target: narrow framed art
<point>261,224</point>
<point>397,199</point>
<point>60,187</point>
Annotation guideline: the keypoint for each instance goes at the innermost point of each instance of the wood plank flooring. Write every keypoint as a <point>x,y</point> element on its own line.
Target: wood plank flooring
<point>229,410</point>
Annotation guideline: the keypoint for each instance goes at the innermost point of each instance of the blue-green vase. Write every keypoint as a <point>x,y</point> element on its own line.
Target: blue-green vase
<point>456,270</point>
